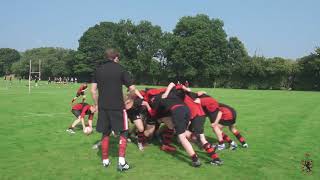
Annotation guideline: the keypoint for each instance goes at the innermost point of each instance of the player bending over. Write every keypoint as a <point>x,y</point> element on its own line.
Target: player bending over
<point>180,113</point>
<point>80,110</point>
<point>227,118</point>
<point>81,92</point>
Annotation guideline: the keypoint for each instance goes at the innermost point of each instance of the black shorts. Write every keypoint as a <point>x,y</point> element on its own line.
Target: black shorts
<point>80,94</point>
<point>227,122</point>
<point>180,118</point>
<point>133,114</point>
<point>112,120</point>
<point>76,113</point>
<point>212,115</point>
<point>197,124</point>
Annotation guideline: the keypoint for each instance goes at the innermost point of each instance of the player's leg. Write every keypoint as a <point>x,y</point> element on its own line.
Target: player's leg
<point>167,135</point>
<point>119,124</point>
<point>141,138</point>
<point>76,113</point>
<point>83,97</point>
<point>77,95</point>
<point>180,118</point>
<point>238,135</point>
<point>103,126</point>
<point>197,125</point>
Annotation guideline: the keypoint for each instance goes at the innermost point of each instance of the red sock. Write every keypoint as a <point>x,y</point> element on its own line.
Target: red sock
<point>167,136</point>
<point>226,138</point>
<point>122,146</point>
<point>239,137</point>
<point>210,150</point>
<point>105,147</point>
<point>141,137</point>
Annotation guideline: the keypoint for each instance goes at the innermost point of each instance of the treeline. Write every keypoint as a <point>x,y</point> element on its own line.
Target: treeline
<point>198,50</point>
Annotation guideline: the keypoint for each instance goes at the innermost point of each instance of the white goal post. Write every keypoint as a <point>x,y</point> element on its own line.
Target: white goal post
<point>33,72</point>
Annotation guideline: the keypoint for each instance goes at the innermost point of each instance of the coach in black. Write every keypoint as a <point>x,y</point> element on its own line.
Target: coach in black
<point>108,80</point>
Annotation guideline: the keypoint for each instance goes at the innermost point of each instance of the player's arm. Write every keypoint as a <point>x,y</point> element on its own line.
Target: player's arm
<point>169,88</point>
<point>218,118</point>
<point>127,81</point>
<point>82,115</point>
<point>94,93</point>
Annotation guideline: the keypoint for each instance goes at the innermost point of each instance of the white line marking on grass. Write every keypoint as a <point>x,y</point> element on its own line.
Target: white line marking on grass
<point>41,114</point>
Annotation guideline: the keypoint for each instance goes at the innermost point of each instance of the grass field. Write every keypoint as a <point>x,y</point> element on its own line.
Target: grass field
<point>279,126</point>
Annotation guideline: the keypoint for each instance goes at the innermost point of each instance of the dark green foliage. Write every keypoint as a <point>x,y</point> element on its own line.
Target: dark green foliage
<point>7,58</point>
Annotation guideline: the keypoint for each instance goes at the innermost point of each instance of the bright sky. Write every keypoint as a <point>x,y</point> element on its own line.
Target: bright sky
<point>286,28</point>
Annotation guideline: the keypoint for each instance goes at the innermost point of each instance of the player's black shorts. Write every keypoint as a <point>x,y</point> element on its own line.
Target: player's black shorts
<point>112,120</point>
<point>197,124</point>
<point>76,113</point>
<point>212,115</point>
<point>180,118</point>
<point>227,122</point>
<point>133,114</point>
<point>79,94</point>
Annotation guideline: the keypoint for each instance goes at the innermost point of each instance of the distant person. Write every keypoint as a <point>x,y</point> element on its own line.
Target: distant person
<point>108,79</point>
<point>71,80</point>
<point>75,80</point>
<point>36,79</point>
<point>49,80</point>
<point>10,80</point>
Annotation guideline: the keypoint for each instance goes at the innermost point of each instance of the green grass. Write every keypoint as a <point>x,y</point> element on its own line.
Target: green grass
<point>279,126</point>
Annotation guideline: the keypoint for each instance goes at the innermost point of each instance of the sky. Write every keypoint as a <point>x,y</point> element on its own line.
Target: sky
<point>271,28</point>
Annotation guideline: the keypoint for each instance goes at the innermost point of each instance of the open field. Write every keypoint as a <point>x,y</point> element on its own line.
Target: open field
<point>279,126</point>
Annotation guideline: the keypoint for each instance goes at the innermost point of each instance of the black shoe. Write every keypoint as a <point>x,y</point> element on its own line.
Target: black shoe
<point>216,162</point>
<point>124,167</point>
<point>196,163</point>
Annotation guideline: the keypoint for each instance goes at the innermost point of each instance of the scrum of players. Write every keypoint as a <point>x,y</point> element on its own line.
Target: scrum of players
<point>166,113</point>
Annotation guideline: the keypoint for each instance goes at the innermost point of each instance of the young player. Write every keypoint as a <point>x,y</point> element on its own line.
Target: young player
<point>170,102</point>
<point>227,117</point>
<point>211,108</point>
<point>134,109</point>
<point>81,92</point>
<point>197,120</point>
<point>80,110</point>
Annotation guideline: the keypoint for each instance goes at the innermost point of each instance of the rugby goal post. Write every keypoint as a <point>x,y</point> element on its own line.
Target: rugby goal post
<point>33,72</point>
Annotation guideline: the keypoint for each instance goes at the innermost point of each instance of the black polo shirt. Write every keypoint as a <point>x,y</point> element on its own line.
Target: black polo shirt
<point>110,77</point>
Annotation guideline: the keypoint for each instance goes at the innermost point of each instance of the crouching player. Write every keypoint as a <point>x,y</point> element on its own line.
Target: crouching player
<point>197,126</point>
<point>227,117</point>
<point>80,92</point>
<point>80,110</point>
<point>134,107</point>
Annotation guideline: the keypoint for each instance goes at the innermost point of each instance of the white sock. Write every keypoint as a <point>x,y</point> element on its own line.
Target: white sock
<point>122,160</point>
<point>105,161</point>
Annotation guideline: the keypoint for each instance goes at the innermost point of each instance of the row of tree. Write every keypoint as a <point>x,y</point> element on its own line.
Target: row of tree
<point>198,50</point>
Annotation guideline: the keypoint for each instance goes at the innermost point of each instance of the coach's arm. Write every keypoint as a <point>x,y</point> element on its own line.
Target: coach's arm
<point>94,94</point>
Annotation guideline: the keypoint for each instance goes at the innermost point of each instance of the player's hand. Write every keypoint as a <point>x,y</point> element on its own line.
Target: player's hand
<point>200,93</point>
<point>197,101</point>
<point>144,103</point>
<point>164,96</point>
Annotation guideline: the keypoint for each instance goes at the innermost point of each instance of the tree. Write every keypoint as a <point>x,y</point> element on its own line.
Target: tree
<point>308,75</point>
<point>199,50</point>
<point>137,45</point>
<point>54,62</point>
<point>7,58</point>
